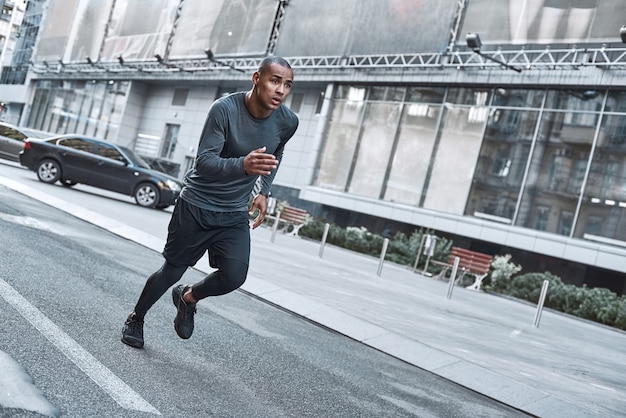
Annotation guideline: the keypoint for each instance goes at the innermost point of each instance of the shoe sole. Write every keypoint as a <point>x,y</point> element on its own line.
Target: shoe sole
<point>134,344</point>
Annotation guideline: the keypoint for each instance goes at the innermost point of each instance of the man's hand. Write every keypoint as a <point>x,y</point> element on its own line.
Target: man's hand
<point>258,163</point>
<point>258,203</point>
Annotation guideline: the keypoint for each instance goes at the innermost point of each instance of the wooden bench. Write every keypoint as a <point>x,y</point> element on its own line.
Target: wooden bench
<point>470,262</point>
<point>289,216</point>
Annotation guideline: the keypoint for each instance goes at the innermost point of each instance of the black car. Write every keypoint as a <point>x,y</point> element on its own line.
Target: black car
<point>12,139</point>
<point>73,159</point>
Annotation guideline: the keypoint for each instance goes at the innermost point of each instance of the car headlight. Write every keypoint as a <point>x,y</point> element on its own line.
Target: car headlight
<point>172,185</point>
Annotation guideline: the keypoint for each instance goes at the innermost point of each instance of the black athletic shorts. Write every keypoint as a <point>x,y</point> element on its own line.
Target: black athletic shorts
<point>192,231</point>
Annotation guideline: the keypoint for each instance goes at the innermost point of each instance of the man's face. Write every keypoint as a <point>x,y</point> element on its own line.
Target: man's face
<point>273,85</point>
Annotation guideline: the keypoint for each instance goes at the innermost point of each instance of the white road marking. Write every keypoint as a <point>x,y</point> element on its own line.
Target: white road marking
<point>602,387</point>
<point>123,394</point>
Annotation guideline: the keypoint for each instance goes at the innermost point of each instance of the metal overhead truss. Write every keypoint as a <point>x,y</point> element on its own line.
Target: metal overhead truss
<point>535,59</point>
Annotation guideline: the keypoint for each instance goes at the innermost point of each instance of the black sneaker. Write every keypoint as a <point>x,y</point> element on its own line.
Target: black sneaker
<point>132,333</point>
<point>183,323</point>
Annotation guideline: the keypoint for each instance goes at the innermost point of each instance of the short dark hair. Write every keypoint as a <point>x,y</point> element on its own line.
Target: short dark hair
<point>272,59</point>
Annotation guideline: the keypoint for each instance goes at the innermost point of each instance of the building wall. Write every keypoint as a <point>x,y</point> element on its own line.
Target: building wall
<point>395,161</point>
<point>133,112</point>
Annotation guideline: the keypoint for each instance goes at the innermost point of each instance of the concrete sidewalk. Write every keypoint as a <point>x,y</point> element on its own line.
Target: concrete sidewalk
<point>566,367</point>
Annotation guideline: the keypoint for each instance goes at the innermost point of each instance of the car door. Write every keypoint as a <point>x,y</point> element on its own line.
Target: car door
<point>11,143</point>
<point>113,171</point>
<point>77,159</point>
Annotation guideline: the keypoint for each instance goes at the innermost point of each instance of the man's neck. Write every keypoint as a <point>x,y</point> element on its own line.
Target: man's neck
<point>253,107</point>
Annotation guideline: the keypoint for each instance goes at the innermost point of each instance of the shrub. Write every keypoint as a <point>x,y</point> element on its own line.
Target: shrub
<point>620,317</point>
<point>527,286</point>
<point>363,241</point>
<point>502,270</point>
<point>597,304</point>
<point>313,230</point>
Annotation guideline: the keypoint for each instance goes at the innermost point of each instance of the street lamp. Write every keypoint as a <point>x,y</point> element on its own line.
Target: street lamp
<point>474,42</point>
<point>211,57</point>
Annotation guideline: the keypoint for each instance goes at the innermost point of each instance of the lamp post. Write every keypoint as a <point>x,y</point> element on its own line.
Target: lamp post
<point>474,42</point>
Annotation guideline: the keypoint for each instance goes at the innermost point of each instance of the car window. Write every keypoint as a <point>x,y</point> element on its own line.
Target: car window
<point>109,151</point>
<point>11,133</point>
<point>32,133</point>
<point>76,143</point>
<point>134,158</point>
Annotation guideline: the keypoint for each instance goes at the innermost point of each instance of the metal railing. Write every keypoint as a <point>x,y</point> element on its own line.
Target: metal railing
<point>603,57</point>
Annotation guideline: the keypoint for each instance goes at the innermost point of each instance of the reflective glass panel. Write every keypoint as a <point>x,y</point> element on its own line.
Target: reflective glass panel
<point>139,29</point>
<point>225,27</point>
<point>469,96</point>
<point>572,100</point>
<point>341,140</point>
<point>387,93</point>
<point>556,173</point>
<point>375,145</point>
<point>616,101</point>
<point>455,159</point>
<point>55,30</point>
<point>90,24</point>
<point>425,94</point>
<point>518,98</point>
<point>501,164</point>
<point>603,211</point>
<point>416,138</point>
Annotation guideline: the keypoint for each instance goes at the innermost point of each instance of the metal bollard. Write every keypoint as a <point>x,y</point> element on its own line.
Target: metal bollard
<point>324,237</point>
<point>455,267</point>
<point>419,252</point>
<point>542,299</point>
<point>382,255</point>
<point>275,226</point>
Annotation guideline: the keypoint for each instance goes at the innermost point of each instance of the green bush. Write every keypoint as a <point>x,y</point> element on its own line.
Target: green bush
<point>596,304</point>
<point>620,317</point>
<point>527,286</point>
<point>502,269</point>
<point>599,305</point>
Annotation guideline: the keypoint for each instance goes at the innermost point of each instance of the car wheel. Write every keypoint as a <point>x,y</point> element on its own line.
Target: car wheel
<point>68,183</point>
<point>48,171</point>
<point>147,195</point>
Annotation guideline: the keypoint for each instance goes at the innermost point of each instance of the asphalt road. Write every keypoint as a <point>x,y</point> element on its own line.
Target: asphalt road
<point>67,286</point>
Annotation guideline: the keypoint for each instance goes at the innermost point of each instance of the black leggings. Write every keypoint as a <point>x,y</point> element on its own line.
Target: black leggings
<point>229,276</point>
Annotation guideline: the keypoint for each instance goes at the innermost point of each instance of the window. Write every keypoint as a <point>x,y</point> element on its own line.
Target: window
<point>541,218</point>
<point>594,225</point>
<point>11,133</point>
<point>180,97</point>
<point>169,140</point>
<point>296,102</point>
<point>7,12</point>
<point>320,103</point>
<point>78,144</point>
<point>109,151</point>
<point>565,225</point>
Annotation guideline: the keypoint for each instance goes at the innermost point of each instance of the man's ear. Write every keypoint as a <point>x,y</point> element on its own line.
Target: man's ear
<point>255,77</point>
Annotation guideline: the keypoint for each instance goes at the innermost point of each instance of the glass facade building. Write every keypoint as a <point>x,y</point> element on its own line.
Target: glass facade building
<point>546,159</point>
<point>402,125</point>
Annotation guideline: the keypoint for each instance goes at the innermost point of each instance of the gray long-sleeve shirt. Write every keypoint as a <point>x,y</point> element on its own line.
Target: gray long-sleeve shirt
<point>217,180</point>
